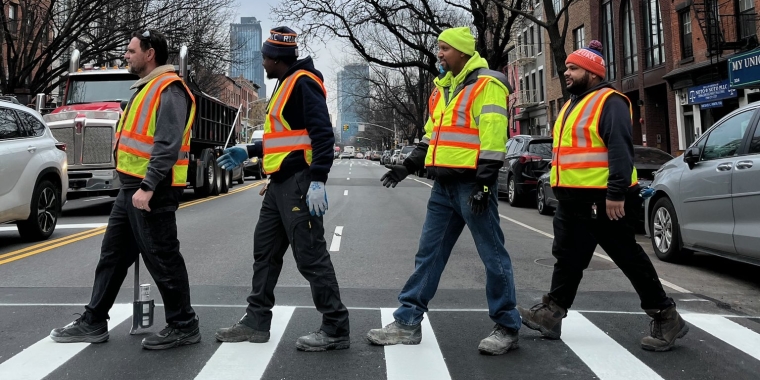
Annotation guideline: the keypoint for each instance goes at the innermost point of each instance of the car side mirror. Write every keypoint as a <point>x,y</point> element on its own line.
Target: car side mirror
<point>691,156</point>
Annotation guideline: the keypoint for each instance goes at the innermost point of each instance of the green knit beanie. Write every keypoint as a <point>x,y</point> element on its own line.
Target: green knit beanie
<point>460,39</point>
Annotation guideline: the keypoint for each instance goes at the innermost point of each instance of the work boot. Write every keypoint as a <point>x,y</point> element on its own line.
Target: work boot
<point>396,333</point>
<point>320,341</point>
<point>666,326</point>
<point>545,317</point>
<point>172,336</point>
<point>501,340</point>
<point>81,331</point>
<point>240,332</point>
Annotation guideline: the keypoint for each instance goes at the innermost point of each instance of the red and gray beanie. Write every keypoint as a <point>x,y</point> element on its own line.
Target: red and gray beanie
<point>589,59</point>
<point>281,43</point>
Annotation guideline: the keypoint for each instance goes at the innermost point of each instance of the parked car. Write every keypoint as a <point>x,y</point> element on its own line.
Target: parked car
<point>708,199</point>
<point>404,153</point>
<point>527,159</point>
<point>376,155</point>
<point>385,158</point>
<point>252,166</point>
<point>359,155</point>
<point>394,156</point>
<point>34,165</point>
<point>647,161</point>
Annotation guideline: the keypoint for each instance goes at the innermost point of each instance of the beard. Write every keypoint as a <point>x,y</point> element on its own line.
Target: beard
<point>580,86</point>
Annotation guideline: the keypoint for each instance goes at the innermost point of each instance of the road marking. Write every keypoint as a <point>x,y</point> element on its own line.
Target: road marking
<point>345,192</point>
<point>730,332</point>
<point>48,245</point>
<point>98,198</point>
<point>348,179</point>
<point>246,360</point>
<point>335,245</point>
<point>423,361</point>
<point>422,182</point>
<point>63,226</point>
<point>602,354</point>
<point>43,357</point>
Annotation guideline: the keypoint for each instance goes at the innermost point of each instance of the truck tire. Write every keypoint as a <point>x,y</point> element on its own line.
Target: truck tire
<point>209,174</point>
<point>218,178</point>
<point>44,213</point>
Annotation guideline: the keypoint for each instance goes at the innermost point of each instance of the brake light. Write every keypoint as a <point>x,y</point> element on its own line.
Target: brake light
<point>61,146</point>
<point>527,157</point>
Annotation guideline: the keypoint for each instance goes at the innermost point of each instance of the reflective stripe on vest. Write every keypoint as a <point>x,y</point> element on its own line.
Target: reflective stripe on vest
<point>455,140</point>
<point>279,139</point>
<point>137,126</point>
<point>579,156</point>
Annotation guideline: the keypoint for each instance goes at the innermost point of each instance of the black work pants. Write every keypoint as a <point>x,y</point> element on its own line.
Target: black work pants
<point>576,235</point>
<point>131,231</point>
<point>285,221</point>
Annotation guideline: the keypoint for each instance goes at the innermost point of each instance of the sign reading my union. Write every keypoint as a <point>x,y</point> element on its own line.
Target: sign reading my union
<point>744,70</point>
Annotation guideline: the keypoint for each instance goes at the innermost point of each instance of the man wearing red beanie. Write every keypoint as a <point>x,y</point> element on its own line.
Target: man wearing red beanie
<point>594,179</point>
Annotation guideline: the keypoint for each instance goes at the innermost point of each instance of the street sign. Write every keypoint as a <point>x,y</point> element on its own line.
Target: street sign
<point>710,92</point>
<point>705,106</point>
<point>744,70</point>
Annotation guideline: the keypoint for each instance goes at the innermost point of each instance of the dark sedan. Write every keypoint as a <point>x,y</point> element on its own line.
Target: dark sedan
<point>527,158</point>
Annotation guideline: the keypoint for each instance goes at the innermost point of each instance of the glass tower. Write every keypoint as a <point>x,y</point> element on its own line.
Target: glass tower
<point>245,48</point>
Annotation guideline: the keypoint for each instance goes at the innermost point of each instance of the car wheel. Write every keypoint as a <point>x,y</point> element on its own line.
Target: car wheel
<point>665,235</point>
<point>512,197</point>
<point>44,213</point>
<point>543,208</point>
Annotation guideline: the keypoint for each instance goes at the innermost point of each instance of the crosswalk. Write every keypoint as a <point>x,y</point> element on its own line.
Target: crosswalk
<point>601,345</point>
<point>355,163</point>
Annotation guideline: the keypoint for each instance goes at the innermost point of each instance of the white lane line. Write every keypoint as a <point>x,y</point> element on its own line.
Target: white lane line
<point>43,357</point>
<point>423,361</point>
<point>335,245</point>
<point>604,356</point>
<point>348,179</point>
<point>97,199</point>
<point>345,192</point>
<point>422,182</point>
<point>65,226</point>
<point>730,332</point>
<point>246,360</point>
<point>597,254</point>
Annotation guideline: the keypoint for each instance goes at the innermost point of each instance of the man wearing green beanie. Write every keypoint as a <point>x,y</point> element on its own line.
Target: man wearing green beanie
<point>463,149</point>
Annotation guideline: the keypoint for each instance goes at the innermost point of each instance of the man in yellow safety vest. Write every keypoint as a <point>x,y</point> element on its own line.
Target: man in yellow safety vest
<point>297,153</point>
<point>594,179</point>
<point>151,151</point>
<point>463,149</point>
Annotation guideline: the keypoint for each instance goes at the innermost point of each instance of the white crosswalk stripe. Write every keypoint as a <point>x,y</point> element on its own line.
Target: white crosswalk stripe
<point>423,361</point>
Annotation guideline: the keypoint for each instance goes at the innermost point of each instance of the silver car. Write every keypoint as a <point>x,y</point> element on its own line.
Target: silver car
<point>708,200</point>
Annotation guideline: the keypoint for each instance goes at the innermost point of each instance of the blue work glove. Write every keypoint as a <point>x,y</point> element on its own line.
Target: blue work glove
<point>646,192</point>
<point>232,158</point>
<point>316,198</point>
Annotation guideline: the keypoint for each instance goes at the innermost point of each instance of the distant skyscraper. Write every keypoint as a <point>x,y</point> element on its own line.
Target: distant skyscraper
<point>353,90</point>
<point>245,45</point>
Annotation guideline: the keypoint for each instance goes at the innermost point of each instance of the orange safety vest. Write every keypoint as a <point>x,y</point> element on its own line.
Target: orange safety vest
<point>279,139</point>
<point>137,125</point>
<point>455,140</point>
<point>579,156</point>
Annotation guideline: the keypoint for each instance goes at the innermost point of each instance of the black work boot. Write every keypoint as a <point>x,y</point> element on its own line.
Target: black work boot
<point>396,333</point>
<point>666,326</point>
<point>81,331</point>
<point>501,340</point>
<point>320,341</point>
<point>172,336</point>
<point>545,317</point>
<point>240,332</point>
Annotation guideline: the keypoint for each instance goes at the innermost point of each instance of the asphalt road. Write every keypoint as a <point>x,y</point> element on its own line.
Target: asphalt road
<point>373,234</point>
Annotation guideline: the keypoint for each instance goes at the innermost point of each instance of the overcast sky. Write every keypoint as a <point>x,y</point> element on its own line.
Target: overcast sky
<point>326,58</point>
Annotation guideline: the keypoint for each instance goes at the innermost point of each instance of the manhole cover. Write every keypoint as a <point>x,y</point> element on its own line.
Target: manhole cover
<point>596,263</point>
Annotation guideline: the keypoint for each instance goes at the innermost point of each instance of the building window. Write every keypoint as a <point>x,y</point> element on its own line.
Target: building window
<point>534,98</point>
<point>687,50</point>
<point>528,95</point>
<point>655,46</point>
<point>630,50</point>
<point>747,18</point>
<point>551,111</point>
<point>539,44</point>
<point>579,38</point>
<point>557,6</point>
<point>608,39</point>
<point>541,85</point>
<point>13,18</point>
<point>532,37</point>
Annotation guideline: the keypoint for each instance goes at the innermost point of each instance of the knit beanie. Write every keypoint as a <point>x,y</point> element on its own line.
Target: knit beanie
<point>460,39</point>
<point>589,58</point>
<point>281,43</point>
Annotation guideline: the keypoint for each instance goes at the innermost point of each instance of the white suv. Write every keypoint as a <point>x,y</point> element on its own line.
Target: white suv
<point>33,171</point>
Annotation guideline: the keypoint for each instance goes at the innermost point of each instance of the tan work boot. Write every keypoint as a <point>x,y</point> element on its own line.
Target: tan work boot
<point>545,317</point>
<point>666,326</point>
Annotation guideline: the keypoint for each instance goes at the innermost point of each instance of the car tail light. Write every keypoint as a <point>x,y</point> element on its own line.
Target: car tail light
<point>61,146</point>
<point>527,157</point>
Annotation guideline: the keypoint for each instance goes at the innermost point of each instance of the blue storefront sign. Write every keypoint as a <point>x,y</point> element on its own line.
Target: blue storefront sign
<point>717,104</point>
<point>710,92</point>
<point>744,70</point>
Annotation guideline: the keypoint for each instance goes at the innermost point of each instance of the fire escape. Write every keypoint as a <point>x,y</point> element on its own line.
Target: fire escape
<point>725,26</point>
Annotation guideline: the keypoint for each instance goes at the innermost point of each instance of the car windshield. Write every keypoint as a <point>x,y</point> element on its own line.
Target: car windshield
<point>407,149</point>
<point>650,156</point>
<point>99,88</point>
<point>541,148</point>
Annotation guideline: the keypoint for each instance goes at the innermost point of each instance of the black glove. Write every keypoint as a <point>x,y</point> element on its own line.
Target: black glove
<point>395,175</point>
<point>479,199</point>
